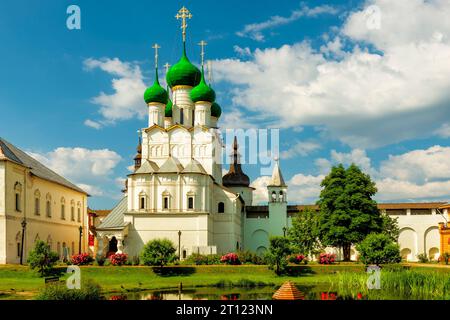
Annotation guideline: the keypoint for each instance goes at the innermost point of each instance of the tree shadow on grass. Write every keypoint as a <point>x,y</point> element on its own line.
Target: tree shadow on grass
<point>173,271</point>
<point>299,271</point>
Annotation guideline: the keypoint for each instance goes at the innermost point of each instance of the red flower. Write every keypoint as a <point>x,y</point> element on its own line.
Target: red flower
<point>118,259</point>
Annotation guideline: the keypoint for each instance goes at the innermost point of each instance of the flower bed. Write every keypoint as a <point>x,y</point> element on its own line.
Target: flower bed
<point>230,258</point>
<point>118,259</point>
<point>81,259</point>
<point>327,258</point>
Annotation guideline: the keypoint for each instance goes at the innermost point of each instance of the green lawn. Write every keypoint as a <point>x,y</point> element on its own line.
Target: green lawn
<point>20,282</point>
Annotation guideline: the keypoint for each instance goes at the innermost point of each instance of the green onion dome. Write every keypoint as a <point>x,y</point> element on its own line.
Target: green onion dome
<point>203,92</point>
<point>183,73</point>
<point>168,111</point>
<point>216,110</point>
<point>156,93</point>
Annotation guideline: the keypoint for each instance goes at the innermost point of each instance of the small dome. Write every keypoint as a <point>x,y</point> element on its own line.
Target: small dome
<point>183,73</point>
<point>168,110</point>
<point>203,92</point>
<point>216,110</point>
<point>156,93</point>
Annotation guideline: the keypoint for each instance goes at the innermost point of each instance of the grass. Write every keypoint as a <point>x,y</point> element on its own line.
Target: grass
<point>18,282</point>
<point>418,283</point>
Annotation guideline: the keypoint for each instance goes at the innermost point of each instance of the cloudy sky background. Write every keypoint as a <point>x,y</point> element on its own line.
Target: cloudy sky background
<point>363,82</point>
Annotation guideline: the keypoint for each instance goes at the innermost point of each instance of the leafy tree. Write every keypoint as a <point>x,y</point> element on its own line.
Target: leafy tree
<point>277,254</point>
<point>378,248</point>
<point>347,212</point>
<point>304,232</point>
<point>158,252</point>
<point>390,227</point>
<point>42,258</point>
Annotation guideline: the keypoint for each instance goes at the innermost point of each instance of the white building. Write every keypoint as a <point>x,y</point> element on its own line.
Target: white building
<point>38,201</point>
<point>177,190</point>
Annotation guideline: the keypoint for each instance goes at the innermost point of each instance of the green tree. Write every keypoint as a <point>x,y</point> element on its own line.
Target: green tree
<point>347,212</point>
<point>378,248</point>
<point>42,258</point>
<point>158,252</point>
<point>304,232</point>
<point>390,227</point>
<point>277,254</point>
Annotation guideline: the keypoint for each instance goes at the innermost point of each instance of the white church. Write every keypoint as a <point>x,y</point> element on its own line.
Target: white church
<point>177,190</point>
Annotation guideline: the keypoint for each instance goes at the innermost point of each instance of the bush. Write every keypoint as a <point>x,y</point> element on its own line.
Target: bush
<point>298,258</point>
<point>248,257</point>
<point>200,259</point>
<point>422,258</point>
<point>327,258</point>
<point>158,252</point>
<point>42,258</point>
<point>81,259</point>
<point>277,254</point>
<point>230,258</point>
<point>100,260</point>
<point>445,257</point>
<point>59,291</point>
<point>378,248</point>
<point>118,259</point>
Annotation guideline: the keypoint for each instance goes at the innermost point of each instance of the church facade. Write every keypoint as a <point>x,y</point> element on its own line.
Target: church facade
<point>177,190</point>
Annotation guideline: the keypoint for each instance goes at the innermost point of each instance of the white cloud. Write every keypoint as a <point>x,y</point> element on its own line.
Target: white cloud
<point>365,99</point>
<point>128,86</point>
<point>443,131</point>
<point>302,148</point>
<point>92,124</point>
<point>243,52</point>
<point>255,30</point>
<point>91,190</point>
<point>417,175</point>
<point>84,167</point>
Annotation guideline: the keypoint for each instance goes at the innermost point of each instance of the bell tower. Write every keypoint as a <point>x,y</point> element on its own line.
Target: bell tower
<point>277,192</point>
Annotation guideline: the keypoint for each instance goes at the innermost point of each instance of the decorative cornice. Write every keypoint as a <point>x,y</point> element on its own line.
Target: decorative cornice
<point>175,88</point>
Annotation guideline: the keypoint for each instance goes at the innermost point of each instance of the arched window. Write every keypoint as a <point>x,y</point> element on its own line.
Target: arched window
<point>63,209</point>
<point>142,200</point>
<point>181,116</point>
<point>190,203</point>
<point>166,200</point>
<point>18,196</point>
<point>50,241</point>
<point>73,247</point>
<point>72,210</point>
<point>190,200</point>
<point>281,196</point>
<point>274,196</point>
<point>37,203</point>
<point>79,214</point>
<point>48,205</point>
<point>221,207</point>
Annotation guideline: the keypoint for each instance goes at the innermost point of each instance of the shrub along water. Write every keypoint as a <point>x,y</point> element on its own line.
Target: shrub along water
<point>89,290</point>
<point>406,284</point>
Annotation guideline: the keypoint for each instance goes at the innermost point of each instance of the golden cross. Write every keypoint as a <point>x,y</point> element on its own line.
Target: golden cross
<point>202,44</point>
<point>167,66</point>
<point>156,47</point>
<point>183,14</point>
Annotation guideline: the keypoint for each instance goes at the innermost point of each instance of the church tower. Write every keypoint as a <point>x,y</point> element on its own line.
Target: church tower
<point>277,192</point>
<point>236,179</point>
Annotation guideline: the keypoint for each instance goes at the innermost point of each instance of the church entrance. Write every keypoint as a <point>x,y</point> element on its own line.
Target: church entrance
<point>112,247</point>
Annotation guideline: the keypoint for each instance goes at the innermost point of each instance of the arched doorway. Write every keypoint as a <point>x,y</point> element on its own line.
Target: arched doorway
<point>112,247</point>
<point>433,254</point>
<point>406,254</point>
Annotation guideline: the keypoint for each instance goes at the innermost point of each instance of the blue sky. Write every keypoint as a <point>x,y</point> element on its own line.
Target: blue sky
<point>346,81</point>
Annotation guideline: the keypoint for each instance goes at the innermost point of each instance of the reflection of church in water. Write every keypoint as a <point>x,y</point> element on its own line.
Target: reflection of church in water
<point>177,190</point>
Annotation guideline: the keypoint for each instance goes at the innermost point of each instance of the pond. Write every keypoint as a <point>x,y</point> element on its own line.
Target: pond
<point>216,293</point>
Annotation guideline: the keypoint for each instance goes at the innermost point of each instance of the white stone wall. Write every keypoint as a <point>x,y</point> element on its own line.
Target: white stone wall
<point>2,214</point>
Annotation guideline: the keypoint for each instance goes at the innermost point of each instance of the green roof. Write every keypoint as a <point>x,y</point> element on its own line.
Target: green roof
<point>156,93</point>
<point>183,73</point>
<point>216,110</point>
<point>168,110</point>
<point>203,92</point>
